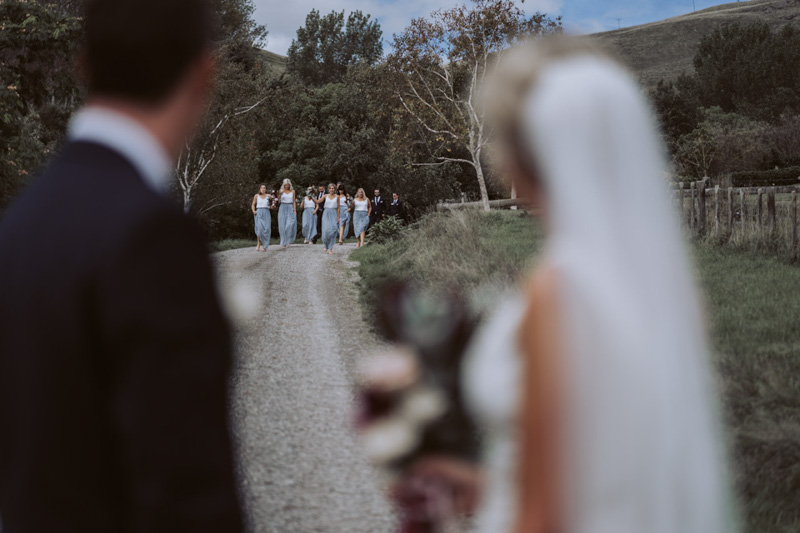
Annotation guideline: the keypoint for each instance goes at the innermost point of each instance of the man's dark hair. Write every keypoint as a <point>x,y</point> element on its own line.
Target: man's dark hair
<point>141,49</point>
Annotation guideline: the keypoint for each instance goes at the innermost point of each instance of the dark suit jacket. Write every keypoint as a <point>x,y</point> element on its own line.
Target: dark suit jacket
<point>378,209</point>
<point>114,359</point>
<point>396,210</point>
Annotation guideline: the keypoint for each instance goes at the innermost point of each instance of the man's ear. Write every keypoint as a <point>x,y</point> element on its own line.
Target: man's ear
<point>81,68</point>
<point>202,77</point>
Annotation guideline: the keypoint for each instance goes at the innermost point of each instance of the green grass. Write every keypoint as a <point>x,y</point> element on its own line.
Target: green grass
<point>753,304</point>
<point>466,249</point>
<point>232,244</point>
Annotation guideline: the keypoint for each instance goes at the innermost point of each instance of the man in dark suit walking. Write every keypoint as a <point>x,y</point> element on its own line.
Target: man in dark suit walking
<point>378,208</point>
<point>396,207</point>
<point>114,351</point>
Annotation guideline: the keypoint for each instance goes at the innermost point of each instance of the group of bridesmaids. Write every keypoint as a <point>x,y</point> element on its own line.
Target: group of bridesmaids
<point>334,207</point>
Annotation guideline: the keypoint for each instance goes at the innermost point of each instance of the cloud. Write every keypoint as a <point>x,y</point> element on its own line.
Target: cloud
<point>283,18</point>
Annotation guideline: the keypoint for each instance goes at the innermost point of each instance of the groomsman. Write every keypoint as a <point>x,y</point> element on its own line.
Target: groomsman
<point>378,209</point>
<point>114,350</point>
<point>321,208</point>
<point>396,207</point>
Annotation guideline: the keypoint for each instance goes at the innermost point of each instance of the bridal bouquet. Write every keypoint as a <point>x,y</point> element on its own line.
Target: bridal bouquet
<point>411,415</point>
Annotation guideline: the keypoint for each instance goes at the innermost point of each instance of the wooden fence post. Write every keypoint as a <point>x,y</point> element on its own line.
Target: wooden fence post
<point>683,207</point>
<point>692,188</point>
<point>716,210</point>
<point>794,226</point>
<point>771,211</point>
<point>742,213</point>
<point>730,212</point>
<point>701,207</point>
<point>759,217</point>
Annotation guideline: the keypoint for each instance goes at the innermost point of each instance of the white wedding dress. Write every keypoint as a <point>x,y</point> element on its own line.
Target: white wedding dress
<point>642,447</point>
<point>491,378</point>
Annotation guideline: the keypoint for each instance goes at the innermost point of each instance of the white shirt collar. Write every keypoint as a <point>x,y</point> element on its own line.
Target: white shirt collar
<point>129,139</point>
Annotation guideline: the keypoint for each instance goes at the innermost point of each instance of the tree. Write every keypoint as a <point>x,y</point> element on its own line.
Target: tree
<point>322,134</point>
<point>443,61</point>
<point>241,87</point>
<point>38,44</point>
<point>750,69</point>
<point>326,46</point>
<point>676,108</point>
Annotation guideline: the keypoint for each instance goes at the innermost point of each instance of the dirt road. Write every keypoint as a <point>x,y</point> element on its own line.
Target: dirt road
<point>299,335</point>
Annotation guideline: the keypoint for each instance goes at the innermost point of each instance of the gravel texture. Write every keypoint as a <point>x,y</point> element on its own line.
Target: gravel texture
<point>299,337</point>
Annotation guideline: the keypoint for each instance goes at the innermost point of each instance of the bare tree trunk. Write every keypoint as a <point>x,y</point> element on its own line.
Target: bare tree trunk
<point>513,196</point>
<point>482,185</point>
<point>187,200</point>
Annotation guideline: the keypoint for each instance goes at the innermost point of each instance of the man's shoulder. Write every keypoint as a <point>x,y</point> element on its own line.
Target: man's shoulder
<point>95,193</point>
<point>83,171</point>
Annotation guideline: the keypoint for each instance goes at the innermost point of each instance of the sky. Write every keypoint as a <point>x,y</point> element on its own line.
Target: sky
<point>284,17</point>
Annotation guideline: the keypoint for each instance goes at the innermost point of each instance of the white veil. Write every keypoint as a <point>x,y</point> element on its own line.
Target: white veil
<point>648,454</point>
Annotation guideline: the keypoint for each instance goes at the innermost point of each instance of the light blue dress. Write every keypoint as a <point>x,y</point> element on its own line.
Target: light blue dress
<point>309,220</point>
<point>287,219</point>
<point>330,225</point>
<point>263,221</point>
<point>344,217</point>
<point>361,217</point>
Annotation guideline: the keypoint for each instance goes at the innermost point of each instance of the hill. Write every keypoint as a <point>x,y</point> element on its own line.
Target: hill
<point>275,63</point>
<point>665,49</point>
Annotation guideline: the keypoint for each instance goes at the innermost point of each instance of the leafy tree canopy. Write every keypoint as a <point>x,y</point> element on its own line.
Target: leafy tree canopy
<point>750,69</point>
<point>328,45</point>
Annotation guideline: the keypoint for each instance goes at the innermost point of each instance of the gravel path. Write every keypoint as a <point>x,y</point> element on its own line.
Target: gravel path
<point>299,335</point>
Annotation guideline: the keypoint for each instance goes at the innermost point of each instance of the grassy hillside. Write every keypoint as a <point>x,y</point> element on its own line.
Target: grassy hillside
<point>276,63</point>
<point>665,49</point>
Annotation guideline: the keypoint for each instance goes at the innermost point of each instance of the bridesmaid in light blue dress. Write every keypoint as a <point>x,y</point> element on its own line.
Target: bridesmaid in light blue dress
<point>362,209</point>
<point>263,221</point>
<point>287,215</point>
<point>330,218</point>
<point>344,214</point>
<point>309,216</point>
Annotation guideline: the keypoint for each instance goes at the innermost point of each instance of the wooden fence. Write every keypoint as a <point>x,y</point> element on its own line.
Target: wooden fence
<point>760,218</point>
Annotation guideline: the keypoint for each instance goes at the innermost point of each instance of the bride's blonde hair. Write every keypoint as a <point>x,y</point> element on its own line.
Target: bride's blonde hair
<point>504,95</point>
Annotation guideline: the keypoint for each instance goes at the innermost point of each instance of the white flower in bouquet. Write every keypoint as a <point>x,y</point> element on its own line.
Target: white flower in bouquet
<point>393,370</point>
<point>422,405</point>
<point>390,439</point>
<point>396,377</point>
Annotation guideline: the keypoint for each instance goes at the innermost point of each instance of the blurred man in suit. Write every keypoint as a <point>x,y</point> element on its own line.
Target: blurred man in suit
<point>378,208</point>
<point>396,207</point>
<point>114,352</point>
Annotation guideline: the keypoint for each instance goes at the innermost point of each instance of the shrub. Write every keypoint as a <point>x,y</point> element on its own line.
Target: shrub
<point>780,177</point>
<point>386,230</point>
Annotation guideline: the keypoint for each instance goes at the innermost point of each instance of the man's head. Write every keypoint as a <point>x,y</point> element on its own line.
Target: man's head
<point>377,192</point>
<point>395,196</point>
<point>152,59</point>
<point>321,188</point>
